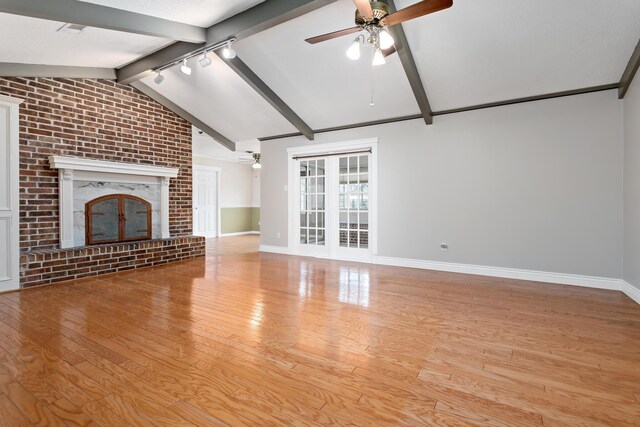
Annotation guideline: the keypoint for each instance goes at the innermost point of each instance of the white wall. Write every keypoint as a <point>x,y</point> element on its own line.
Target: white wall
<point>535,186</point>
<point>256,188</point>
<point>632,184</point>
<point>236,182</point>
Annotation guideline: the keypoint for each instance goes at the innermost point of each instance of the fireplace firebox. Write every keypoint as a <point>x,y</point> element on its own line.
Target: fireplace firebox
<point>117,218</point>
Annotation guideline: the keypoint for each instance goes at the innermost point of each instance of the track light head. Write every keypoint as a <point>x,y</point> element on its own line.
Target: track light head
<point>205,61</point>
<point>228,51</point>
<point>185,68</point>
<point>159,78</point>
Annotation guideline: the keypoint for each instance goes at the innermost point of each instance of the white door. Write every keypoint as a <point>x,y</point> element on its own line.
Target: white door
<point>9,210</point>
<point>312,189</point>
<point>205,202</point>
<point>352,240</point>
<point>332,209</point>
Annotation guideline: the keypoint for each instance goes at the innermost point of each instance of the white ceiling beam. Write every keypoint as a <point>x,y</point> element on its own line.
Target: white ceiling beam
<point>93,15</point>
<point>252,21</point>
<point>8,69</point>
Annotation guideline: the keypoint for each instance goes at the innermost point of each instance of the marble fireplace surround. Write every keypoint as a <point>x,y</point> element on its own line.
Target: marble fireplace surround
<point>104,177</point>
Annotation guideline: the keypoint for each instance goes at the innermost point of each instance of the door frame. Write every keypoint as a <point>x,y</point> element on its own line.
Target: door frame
<point>332,148</point>
<point>218,172</point>
<point>13,164</point>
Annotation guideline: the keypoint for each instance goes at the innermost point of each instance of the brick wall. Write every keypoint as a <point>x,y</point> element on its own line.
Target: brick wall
<point>102,120</point>
<point>46,266</point>
<point>98,119</point>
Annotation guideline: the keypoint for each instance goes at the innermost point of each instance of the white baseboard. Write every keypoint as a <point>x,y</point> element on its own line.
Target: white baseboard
<point>275,249</point>
<point>241,233</point>
<point>206,235</point>
<point>631,291</point>
<point>507,273</point>
<point>502,272</point>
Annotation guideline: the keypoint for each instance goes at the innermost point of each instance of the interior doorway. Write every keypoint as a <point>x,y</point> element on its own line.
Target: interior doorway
<point>206,206</point>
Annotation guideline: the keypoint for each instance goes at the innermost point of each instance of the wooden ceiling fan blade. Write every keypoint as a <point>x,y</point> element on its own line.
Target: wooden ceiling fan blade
<point>417,10</point>
<point>364,7</point>
<point>335,34</point>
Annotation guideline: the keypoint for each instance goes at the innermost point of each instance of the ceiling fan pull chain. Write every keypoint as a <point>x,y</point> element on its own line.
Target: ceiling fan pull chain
<point>373,87</point>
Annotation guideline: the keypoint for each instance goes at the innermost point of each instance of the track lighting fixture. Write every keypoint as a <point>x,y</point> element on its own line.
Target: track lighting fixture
<point>185,68</point>
<point>228,51</point>
<point>205,61</point>
<point>159,78</point>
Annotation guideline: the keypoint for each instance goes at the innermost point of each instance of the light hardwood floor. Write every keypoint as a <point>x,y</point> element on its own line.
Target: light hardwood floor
<point>233,245</point>
<point>264,339</point>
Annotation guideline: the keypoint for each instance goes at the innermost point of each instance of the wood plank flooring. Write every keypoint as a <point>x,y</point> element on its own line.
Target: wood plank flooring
<point>233,245</point>
<point>264,339</point>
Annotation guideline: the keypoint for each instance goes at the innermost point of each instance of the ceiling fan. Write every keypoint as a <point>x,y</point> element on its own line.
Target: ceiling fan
<point>254,160</point>
<point>375,17</point>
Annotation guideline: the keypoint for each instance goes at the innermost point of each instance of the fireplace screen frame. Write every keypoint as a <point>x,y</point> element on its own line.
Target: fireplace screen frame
<point>90,241</point>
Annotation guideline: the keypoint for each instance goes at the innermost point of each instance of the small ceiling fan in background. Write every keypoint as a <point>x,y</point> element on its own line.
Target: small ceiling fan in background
<point>254,160</point>
<point>374,18</point>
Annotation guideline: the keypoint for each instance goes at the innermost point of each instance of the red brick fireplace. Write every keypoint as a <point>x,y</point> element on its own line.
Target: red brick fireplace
<point>97,120</point>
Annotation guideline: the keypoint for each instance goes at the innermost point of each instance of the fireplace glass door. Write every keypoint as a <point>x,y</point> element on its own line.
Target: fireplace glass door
<point>117,218</point>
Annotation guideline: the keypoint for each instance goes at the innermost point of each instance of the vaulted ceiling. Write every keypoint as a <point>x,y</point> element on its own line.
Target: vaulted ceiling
<point>476,52</point>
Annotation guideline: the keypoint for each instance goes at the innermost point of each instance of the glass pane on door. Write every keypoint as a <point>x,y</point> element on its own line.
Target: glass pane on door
<point>353,201</point>
<point>105,221</point>
<point>312,202</point>
<point>136,225</point>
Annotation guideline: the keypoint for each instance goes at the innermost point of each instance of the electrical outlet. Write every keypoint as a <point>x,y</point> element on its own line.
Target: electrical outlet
<point>277,235</point>
<point>286,188</point>
<point>444,246</point>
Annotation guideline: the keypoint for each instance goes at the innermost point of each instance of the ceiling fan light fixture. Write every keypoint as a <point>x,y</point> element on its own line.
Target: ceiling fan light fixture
<point>159,78</point>
<point>386,40</point>
<point>353,52</point>
<point>378,58</point>
<point>256,164</point>
<point>205,61</point>
<point>185,68</point>
<point>228,51</point>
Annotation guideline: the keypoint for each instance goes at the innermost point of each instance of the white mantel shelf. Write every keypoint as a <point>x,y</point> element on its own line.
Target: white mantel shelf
<point>81,164</point>
<point>76,168</point>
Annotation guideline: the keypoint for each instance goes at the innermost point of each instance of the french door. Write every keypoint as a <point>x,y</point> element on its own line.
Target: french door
<point>333,205</point>
<point>205,201</point>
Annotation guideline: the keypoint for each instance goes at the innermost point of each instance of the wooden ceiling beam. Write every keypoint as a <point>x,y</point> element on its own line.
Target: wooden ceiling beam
<point>245,24</point>
<point>410,68</point>
<point>8,69</point>
<point>243,70</point>
<point>166,102</point>
<point>109,18</point>
<point>629,72</point>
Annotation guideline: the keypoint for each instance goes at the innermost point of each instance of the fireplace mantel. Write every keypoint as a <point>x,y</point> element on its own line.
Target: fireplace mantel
<point>82,169</point>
